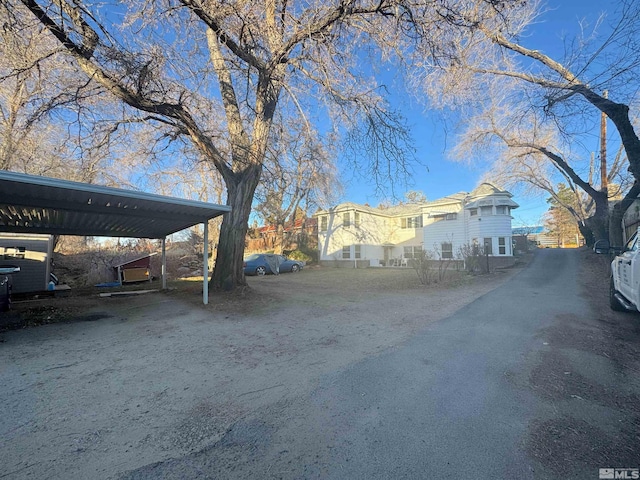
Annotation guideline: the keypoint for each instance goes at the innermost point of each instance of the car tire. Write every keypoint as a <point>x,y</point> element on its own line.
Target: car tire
<point>613,301</point>
<point>295,268</point>
<point>261,271</point>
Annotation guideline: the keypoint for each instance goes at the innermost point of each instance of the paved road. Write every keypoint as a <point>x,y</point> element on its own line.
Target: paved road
<point>526,382</point>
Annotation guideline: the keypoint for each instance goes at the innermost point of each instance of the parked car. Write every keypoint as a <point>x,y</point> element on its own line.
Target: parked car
<point>624,285</point>
<point>265,263</point>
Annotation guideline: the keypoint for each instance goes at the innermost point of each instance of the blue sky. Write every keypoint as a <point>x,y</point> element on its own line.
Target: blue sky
<point>433,138</point>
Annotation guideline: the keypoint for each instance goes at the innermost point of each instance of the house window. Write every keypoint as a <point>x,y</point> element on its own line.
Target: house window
<point>447,250</point>
<point>412,252</point>
<point>502,210</point>
<point>323,224</point>
<point>447,216</point>
<point>412,222</point>
<point>346,252</point>
<point>14,253</point>
<point>488,246</point>
<point>356,219</point>
<point>486,211</point>
<point>502,246</point>
<point>346,219</point>
<point>357,251</point>
<point>473,212</point>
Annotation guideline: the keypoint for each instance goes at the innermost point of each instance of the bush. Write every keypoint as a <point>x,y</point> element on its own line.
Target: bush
<point>430,266</point>
<point>420,264</point>
<point>475,259</point>
<point>300,256</point>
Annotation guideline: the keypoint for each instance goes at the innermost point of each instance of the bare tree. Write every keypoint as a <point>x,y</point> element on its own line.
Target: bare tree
<point>299,174</point>
<point>415,196</point>
<point>258,56</point>
<point>51,115</point>
<point>532,153</point>
<point>29,141</point>
<point>567,92</point>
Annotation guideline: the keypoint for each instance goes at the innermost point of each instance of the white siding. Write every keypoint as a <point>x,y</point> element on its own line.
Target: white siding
<point>382,233</point>
<point>371,234</point>
<point>451,231</point>
<point>491,226</point>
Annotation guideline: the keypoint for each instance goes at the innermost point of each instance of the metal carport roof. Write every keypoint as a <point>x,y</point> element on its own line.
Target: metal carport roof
<point>33,204</point>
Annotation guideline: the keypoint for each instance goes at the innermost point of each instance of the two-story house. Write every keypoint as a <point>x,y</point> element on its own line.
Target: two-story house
<point>353,234</point>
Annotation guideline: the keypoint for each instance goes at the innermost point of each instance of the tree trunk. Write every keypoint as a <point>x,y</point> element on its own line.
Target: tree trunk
<point>598,224</point>
<point>279,239</point>
<point>615,226</point>
<point>229,270</point>
<point>586,233</point>
<point>241,184</point>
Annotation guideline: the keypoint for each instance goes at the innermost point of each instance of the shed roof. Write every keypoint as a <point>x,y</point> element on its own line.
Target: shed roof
<point>124,263</point>
<point>34,204</point>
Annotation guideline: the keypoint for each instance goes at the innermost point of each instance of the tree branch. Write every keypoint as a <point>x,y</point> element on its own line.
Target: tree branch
<point>225,39</point>
<point>134,99</point>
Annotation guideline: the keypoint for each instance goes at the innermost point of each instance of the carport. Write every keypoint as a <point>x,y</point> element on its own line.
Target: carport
<point>34,204</point>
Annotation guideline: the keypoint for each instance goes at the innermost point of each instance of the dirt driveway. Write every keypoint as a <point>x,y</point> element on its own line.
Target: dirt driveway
<point>158,376</point>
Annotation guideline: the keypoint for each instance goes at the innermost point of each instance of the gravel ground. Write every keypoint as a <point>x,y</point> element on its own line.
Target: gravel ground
<point>124,382</point>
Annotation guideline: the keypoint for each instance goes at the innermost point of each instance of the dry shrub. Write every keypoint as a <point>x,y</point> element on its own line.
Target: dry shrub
<point>430,267</point>
<point>475,260</point>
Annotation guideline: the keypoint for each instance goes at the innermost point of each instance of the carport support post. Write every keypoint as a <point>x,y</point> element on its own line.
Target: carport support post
<point>205,266</point>
<point>164,263</point>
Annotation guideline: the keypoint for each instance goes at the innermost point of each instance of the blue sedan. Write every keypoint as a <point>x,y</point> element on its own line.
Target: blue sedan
<point>264,263</point>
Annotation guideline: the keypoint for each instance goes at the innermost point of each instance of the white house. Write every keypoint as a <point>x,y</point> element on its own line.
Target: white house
<point>353,234</point>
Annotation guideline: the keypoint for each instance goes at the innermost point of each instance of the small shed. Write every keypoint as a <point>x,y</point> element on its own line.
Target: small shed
<point>43,205</point>
<point>135,270</point>
<point>32,253</point>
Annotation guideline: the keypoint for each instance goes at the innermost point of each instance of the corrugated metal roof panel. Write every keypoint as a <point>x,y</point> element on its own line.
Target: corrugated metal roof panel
<point>32,204</point>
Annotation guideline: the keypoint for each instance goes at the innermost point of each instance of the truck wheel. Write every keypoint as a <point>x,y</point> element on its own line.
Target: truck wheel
<point>613,301</point>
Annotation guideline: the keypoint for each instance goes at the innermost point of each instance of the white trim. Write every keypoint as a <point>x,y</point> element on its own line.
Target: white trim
<point>164,263</point>
<point>205,267</point>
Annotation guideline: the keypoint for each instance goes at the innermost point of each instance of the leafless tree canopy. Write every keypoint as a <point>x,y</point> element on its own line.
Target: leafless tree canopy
<point>299,175</point>
<point>550,104</point>
<point>217,72</point>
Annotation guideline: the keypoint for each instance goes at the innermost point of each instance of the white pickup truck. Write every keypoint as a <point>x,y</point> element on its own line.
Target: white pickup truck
<point>624,290</point>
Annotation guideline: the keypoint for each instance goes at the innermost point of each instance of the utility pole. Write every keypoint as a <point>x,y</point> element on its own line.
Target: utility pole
<point>604,183</point>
